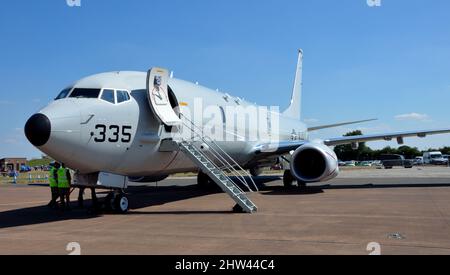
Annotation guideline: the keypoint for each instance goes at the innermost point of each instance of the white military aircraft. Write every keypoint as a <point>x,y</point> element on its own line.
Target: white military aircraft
<point>118,128</point>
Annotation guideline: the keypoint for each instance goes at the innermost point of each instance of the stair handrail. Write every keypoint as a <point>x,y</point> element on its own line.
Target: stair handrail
<point>212,162</point>
<point>225,165</point>
<point>220,157</point>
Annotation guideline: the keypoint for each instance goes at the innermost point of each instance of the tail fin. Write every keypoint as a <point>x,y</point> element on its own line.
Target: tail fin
<point>294,110</point>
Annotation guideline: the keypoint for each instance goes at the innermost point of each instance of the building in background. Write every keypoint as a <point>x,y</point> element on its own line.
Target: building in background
<point>12,164</point>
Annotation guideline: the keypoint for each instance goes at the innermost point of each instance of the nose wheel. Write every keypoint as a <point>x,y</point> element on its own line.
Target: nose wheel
<point>118,202</point>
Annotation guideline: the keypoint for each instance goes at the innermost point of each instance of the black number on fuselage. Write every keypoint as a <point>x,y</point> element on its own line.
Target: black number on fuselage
<point>102,133</point>
<point>126,135</point>
<point>115,132</point>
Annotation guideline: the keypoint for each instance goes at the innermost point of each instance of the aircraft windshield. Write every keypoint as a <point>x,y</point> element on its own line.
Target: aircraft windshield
<point>85,93</point>
<point>63,94</point>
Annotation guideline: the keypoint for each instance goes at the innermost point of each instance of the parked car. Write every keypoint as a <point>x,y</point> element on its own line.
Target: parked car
<point>378,164</point>
<point>418,161</point>
<point>350,163</point>
<point>365,164</point>
<point>390,160</point>
<point>435,158</point>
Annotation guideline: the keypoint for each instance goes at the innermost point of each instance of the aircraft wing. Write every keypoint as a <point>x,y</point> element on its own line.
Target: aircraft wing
<point>338,124</point>
<point>284,147</point>
<point>278,148</point>
<point>389,136</point>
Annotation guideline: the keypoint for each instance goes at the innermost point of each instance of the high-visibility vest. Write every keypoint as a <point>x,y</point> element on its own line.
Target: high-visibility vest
<point>51,178</point>
<point>63,182</point>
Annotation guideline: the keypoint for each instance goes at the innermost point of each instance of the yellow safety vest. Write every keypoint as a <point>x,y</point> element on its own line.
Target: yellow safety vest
<point>63,182</point>
<point>51,178</point>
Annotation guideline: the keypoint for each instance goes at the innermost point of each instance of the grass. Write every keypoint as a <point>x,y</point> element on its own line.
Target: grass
<point>39,162</point>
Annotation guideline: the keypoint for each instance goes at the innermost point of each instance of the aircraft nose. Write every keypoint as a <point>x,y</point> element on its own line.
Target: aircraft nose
<point>38,129</point>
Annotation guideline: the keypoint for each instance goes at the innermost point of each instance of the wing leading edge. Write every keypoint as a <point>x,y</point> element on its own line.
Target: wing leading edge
<point>387,137</point>
<point>284,147</point>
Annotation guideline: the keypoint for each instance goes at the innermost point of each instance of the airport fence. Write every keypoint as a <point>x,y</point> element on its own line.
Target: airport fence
<point>26,178</point>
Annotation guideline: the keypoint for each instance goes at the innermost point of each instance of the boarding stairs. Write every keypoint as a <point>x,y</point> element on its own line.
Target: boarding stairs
<point>219,166</point>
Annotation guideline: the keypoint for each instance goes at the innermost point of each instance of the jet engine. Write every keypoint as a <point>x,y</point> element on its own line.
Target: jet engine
<point>314,162</point>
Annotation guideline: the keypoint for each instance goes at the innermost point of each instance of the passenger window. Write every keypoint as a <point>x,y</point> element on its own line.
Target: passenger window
<point>108,95</point>
<point>63,94</point>
<point>122,96</point>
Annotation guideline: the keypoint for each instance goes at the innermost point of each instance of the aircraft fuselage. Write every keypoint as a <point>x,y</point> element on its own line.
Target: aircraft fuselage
<point>92,135</point>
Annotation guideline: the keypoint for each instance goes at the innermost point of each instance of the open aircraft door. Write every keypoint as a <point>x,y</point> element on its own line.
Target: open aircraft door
<point>158,96</point>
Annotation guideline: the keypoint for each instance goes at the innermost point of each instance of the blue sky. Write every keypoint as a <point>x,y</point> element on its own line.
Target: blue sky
<point>390,62</point>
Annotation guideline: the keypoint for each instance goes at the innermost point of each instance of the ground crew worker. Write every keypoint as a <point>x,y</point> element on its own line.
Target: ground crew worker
<point>64,181</point>
<point>52,177</point>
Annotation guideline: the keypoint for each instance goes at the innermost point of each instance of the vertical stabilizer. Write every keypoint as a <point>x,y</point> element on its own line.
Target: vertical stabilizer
<point>294,110</point>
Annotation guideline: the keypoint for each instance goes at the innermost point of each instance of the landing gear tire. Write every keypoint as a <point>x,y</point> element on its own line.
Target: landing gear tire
<point>121,204</point>
<point>288,179</point>
<point>301,184</point>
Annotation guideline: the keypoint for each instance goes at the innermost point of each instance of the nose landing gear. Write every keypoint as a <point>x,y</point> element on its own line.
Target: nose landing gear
<point>118,202</point>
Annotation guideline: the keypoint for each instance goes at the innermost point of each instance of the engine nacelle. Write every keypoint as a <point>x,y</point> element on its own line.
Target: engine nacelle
<point>314,162</point>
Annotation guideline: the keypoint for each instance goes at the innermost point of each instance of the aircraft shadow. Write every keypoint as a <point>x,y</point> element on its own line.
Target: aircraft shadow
<point>140,197</point>
<point>281,190</point>
<point>144,197</point>
<point>382,186</point>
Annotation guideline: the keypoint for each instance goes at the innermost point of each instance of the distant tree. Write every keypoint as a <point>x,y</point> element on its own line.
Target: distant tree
<point>409,152</point>
<point>347,153</point>
<point>385,151</point>
<point>445,150</point>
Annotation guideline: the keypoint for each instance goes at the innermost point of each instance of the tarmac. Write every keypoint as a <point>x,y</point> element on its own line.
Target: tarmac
<point>404,211</point>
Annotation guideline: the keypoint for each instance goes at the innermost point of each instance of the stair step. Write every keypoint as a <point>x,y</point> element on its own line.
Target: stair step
<point>218,176</point>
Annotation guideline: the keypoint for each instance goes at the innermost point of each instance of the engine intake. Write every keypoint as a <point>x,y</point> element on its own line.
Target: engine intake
<point>314,162</point>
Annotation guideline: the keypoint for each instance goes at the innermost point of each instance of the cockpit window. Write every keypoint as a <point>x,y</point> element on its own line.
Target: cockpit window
<point>108,95</point>
<point>85,93</point>
<point>63,94</point>
<point>122,96</point>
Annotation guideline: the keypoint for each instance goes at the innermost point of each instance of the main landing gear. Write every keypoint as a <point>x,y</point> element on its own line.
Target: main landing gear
<point>289,180</point>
